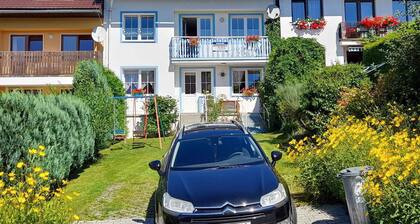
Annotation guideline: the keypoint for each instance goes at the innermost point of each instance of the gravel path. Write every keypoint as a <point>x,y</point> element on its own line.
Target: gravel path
<point>324,214</point>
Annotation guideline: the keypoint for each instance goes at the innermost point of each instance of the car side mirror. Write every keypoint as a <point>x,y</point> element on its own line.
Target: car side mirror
<point>275,156</point>
<point>155,165</point>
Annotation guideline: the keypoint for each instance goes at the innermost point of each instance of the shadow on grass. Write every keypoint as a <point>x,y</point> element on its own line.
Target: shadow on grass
<point>150,212</point>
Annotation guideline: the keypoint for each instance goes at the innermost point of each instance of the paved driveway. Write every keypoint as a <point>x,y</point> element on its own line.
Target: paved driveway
<point>324,214</point>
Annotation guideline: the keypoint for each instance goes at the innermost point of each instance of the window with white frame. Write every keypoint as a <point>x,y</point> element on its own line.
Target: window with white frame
<point>245,79</point>
<point>190,85</point>
<point>205,82</point>
<point>140,81</point>
<point>139,27</point>
<point>245,25</point>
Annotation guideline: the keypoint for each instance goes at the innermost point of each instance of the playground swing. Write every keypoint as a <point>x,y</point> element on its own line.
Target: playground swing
<point>120,134</point>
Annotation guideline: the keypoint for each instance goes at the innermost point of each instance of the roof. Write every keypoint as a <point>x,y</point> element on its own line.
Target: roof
<point>50,8</point>
<point>202,130</point>
<point>50,4</point>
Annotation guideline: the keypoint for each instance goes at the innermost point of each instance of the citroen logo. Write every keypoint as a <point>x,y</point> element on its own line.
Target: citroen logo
<point>228,211</point>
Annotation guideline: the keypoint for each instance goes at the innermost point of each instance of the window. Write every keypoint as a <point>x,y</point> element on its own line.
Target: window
<point>302,9</point>
<point>403,10</point>
<point>216,152</point>
<point>245,25</point>
<point>139,79</point>
<point>28,91</point>
<point>197,25</point>
<point>77,43</point>
<point>245,78</point>
<point>205,82</point>
<point>356,10</point>
<point>190,83</point>
<point>26,43</point>
<point>139,27</point>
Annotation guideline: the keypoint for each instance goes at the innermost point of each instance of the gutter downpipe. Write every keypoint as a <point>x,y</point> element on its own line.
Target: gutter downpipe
<point>111,2</point>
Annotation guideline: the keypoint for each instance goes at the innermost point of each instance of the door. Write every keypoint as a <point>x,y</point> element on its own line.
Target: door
<point>196,26</point>
<point>23,61</point>
<point>195,85</point>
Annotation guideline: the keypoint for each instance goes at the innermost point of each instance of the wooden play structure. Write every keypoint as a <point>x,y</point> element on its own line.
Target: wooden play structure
<point>120,134</point>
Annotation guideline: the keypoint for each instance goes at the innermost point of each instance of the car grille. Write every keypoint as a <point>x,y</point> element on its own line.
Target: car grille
<point>257,218</point>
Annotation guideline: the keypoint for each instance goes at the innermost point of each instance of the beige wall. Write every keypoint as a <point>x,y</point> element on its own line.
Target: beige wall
<point>50,28</point>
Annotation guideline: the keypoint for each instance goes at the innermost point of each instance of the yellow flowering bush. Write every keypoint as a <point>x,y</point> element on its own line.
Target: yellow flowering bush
<point>27,195</point>
<point>392,147</point>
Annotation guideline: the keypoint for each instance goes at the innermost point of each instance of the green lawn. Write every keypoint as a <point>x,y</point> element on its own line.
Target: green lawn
<point>120,184</point>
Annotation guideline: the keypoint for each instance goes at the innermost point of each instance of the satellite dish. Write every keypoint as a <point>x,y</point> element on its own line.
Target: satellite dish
<point>273,12</point>
<point>98,34</point>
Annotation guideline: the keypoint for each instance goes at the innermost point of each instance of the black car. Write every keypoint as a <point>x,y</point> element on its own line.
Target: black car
<point>217,173</point>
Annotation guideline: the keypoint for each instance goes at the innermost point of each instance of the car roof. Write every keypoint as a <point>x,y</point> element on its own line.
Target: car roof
<point>202,130</point>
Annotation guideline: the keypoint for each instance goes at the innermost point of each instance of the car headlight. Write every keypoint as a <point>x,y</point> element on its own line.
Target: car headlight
<point>177,205</point>
<point>274,197</point>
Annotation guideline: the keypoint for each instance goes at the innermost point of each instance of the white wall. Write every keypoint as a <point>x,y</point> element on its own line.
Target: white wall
<point>328,37</point>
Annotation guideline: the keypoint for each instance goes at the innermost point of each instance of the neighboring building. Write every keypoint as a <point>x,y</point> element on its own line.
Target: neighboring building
<point>42,41</point>
<point>186,48</point>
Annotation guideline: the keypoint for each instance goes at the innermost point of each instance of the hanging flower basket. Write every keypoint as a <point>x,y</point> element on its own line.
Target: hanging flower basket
<point>249,91</point>
<point>193,41</point>
<point>252,38</point>
<point>310,24</point>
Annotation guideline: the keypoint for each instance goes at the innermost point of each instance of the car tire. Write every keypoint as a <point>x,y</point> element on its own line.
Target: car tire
<point>293,216</point>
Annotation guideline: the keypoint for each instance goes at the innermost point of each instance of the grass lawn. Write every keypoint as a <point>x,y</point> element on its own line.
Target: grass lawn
<point>120,184</point>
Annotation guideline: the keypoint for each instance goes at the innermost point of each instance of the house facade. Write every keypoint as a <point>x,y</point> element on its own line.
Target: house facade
<point>42,41</point>
<point>192,49</point>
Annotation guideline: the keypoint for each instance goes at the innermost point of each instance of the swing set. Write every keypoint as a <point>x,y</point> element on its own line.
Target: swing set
<point>120,134</point>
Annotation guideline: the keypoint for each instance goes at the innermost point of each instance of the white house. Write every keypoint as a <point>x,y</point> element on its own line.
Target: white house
<point>187,48</point>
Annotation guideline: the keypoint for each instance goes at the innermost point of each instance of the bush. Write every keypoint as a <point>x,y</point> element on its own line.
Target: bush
<point>323,92</point>
<point>400,50</point>
<point>91,86</point>
<point>26,196</point>
<point>117,88</point>
<point>392,147</point>
<point>61,122</point>
<point>214,108</point>
<point>167,115</point>
<point>291,59</point>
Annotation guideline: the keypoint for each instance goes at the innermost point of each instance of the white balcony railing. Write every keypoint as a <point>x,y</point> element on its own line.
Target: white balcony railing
<point>220,48</point>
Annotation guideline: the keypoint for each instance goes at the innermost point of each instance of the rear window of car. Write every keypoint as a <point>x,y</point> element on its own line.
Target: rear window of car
<point>215,152</point>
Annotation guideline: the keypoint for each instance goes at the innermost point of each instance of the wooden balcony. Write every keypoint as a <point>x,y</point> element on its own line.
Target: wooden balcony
<point>227,48</point>
<point>41,63</point>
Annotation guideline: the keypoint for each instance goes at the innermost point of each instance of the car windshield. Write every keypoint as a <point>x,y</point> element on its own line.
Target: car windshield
<point>213,152</point>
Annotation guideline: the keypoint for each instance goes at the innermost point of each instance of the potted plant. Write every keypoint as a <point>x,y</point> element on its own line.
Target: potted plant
<point>310,24</point>
<point>252,38</point>
<point>251,91</point>
<point>137,92</point>
<point>193,41</point>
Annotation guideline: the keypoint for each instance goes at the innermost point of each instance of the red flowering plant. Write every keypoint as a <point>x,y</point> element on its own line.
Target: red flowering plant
<point>249,91</point>
<point>310,24</point>
<point>193,41</point>
<point>252,38</point>
<point>137,92</point>
<point>379,22</point>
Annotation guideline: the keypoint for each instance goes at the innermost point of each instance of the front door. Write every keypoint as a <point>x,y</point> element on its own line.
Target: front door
<point>195,85</point>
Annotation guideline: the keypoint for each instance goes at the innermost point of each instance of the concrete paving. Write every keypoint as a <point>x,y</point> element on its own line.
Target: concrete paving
<point>308,214</point>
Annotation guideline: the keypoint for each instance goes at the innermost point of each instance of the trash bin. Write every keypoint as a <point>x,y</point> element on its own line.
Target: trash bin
<point>353,180</point>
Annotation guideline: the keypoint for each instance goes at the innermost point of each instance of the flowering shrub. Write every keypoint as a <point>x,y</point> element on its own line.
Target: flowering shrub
<point>391,147</point>
<point>26,194</point>
<point>312,24</point>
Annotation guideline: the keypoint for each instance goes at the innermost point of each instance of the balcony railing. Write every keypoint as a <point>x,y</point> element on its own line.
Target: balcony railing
<point>219,48</point>
<point>354,31</point>
<point>40,63</point>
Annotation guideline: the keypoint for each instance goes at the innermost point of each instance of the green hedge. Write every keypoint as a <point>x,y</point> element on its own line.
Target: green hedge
<point>91,86</point>
<point>61,123</point>
<point>291,60</point>
<point>117,88</point>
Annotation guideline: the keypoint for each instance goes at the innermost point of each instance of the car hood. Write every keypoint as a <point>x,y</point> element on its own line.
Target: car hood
<point>219,187</point>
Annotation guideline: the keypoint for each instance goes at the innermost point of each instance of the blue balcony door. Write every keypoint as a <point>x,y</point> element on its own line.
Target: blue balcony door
<point>196,26</point>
